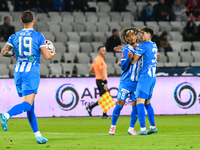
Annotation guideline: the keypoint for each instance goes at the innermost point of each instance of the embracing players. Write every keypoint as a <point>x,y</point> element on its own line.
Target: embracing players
<point>128,79</point>
<point>27,45</point>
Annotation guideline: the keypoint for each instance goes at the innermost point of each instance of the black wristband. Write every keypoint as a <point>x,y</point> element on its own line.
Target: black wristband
<point>105,81</point>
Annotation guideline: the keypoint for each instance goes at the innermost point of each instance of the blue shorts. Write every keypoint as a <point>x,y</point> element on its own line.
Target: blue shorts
<point>26,83</point>
<point>126,87</point>
<point>145,87</point>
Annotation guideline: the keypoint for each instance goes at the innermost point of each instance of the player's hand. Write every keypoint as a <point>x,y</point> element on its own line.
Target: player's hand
<point>158,56</point>
<point>130,54</point>
<point>14,56</point>
<point>119,63</point>
<point>105,87</point>
<point>118,48</point>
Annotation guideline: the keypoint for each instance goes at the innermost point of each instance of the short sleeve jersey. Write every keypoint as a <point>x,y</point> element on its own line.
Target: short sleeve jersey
<point>148,50</point>
<point>26,44</point>
<point>98,64</point>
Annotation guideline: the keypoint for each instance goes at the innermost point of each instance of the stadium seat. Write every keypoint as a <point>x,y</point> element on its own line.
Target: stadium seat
<point>4,73</point>
<point>83,58</point>
<point>118,70</point>
<point>66,26</point>
<point>165,26</point>
<point>43,60</point>
<point>5,60</point>
<point>67,69</point>
<point>17,16</point>
<point>186,57</point>
<point>176,36</point>
<point>160,64</point>
<point>154,25</point>
<point>18,26</point>
<point>79,17</point>
<point>2,44</point>
<point>99,37</point>
<point>73,36</point>
<point>176,26</point>
<point>114,25</point>
<point>60,47</point>
<point>44,70</point>
<point>110,59</point>
<point>55,18</point>
<point>133,8</point>
<point>68,18</point>
<point>127,17</point>
<point>95,45</point>
<point>55,70</point>
<point>103,17</point>
<point>118,56</point>
<point>42,26</point>
<point>13,60</point>
<point>125,24</point>
<point>69,57</point>
<point>42,17</point>
<point>173,59</point>
<point>82,70</point>
<point>196,56</point>
<point>138,24</point>
<point>52,13</point>
<point>93,55</point>
<point>186,46</point>
<point>57,58</point>
<point>163,57</point>
<point>73,47</point>
<point>60,37</point>
<point>54,27</point>
<point>102,27</point>
<point>49,36</point>
<point>78,27</point>
<point>90,27</point>
<point>86,36</point>
<point>86,47</point>
<point>176,46</point>
<point>140,7</point>
<point>110,69</point>
<point>104,8</point>
<point>196,45</point>
<point>91,17</point>
<point>11,70</point>
<point>115,16</point>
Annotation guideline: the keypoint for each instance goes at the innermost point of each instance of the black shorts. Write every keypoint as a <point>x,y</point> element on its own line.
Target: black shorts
<point>100,87</point>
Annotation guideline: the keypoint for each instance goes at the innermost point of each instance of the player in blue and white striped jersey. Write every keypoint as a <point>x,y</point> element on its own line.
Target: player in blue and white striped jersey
<point>27,45</point>
<point>128,79</point>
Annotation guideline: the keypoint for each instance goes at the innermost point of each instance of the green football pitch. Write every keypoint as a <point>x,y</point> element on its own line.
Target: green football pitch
<point>174,132</point>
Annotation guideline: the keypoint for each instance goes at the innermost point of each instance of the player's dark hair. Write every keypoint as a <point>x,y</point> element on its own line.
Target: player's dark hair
<point>125,30</point>
<point>114,30</point>
<point>148,30</point>
<point>98,49</point>
<point>6,17</point>
<point>27,16</point>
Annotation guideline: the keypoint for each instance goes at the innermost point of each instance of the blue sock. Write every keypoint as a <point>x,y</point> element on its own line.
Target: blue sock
<point>141,115</point>
<point>150,114</point>
<point>133,116</point>
<point>19,108</point>
<point>116,113</point>
<point>32,119</point>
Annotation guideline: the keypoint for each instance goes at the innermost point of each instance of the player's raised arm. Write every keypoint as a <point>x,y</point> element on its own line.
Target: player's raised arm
<point>118,48</point>
<point>46,53</point>
<point>7,51</point>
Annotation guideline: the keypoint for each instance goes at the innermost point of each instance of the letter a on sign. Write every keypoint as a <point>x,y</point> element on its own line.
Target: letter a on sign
<point>106,102</point>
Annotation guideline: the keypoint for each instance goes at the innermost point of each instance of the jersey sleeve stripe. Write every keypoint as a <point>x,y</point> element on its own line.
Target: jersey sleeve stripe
<point>42,45</point>
<point>9,44</point>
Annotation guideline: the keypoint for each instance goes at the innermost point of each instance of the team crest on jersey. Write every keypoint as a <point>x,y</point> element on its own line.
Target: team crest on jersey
<point>122,55</point>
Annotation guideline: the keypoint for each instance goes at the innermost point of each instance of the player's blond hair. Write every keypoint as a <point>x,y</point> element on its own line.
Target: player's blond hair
<point>126,30</point>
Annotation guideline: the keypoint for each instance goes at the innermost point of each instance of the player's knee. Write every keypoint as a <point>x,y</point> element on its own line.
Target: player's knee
<point>27,106</point>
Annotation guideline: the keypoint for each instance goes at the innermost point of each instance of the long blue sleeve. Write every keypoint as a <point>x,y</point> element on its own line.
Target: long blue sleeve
<point>124,59</point>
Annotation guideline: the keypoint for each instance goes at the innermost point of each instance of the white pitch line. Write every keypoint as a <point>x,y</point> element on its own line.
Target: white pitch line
<point>90,133</point>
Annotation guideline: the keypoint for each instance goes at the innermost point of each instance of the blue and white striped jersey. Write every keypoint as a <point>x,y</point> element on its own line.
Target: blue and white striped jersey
<point>148,50</point>
<point>129,71</point>
<point>26,44</point>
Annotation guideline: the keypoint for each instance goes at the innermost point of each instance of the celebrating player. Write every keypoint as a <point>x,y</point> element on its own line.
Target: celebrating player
<point>27,45</point>
<point>128,80</point>
<point>147,79</point>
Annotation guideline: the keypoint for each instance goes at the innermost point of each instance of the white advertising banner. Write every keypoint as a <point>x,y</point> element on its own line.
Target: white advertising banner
<point>70,96</point>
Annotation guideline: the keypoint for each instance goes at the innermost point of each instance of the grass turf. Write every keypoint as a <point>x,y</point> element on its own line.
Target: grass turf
<point>174,132</point>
